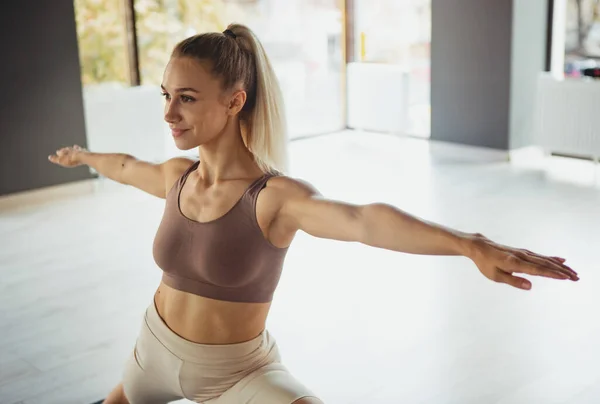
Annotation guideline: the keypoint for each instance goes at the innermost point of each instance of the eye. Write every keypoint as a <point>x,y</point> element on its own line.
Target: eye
<point>185,98</point>
<point>165,95</point>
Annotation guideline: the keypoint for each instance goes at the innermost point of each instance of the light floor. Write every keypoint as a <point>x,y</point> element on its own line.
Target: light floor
<point>356,324</point>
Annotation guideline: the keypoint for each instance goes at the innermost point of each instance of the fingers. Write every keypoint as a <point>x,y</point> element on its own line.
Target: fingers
<point>549,263</point>
<point>522,263</point>
<point>520,283</point>
<point>54,157</point>
<point>59,156</point>
<point>556,263</point>
<point>510,250</point>
<point>548,274</point>
<point>557,259</point>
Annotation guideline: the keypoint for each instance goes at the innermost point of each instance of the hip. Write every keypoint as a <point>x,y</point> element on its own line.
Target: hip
<point>166,366</point>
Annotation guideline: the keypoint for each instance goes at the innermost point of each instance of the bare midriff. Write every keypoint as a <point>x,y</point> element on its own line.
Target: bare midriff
<point>209,321</point>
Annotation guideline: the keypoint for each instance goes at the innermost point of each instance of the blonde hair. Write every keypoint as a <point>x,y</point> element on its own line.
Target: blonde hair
<point>238,56</point>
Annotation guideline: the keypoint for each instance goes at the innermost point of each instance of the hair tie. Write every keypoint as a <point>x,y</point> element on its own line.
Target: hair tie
<point>230,33</point>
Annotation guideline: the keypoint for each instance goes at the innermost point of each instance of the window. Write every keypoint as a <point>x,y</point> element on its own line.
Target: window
<point>582,36</point>
<point>302,38</point>
<point>398,32</point>
<point>102,41</point>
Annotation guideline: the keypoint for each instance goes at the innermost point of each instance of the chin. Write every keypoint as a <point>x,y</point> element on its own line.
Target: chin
<point>184,146</point>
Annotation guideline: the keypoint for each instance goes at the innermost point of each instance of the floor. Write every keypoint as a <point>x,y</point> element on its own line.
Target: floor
<point>356,324</point>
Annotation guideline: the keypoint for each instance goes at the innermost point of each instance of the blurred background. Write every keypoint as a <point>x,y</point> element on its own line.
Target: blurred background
<point>481,115</point>
<point>304,39</point>
<point>352,64</point>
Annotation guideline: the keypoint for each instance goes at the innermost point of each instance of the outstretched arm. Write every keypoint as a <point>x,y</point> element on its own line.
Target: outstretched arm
<point>153,178</point>
<point>385,226</point>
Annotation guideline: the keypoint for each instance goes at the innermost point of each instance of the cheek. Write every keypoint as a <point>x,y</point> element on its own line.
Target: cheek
<point>209,119</point>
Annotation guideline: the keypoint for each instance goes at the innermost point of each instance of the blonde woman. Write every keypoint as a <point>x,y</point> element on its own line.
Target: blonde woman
<point>229,219</point>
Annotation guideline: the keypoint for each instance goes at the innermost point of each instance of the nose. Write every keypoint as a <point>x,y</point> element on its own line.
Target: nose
<point>171,113</point>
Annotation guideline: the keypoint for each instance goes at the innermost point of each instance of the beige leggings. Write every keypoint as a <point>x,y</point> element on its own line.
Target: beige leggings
<point>165,367</point>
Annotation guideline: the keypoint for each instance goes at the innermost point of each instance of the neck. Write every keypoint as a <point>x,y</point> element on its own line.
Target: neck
<point>226,157</point>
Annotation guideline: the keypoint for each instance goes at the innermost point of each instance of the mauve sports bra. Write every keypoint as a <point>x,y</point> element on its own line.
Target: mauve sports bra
<point>225,259</point>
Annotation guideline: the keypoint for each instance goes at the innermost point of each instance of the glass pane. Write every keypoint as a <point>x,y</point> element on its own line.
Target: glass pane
<point>102,41</point>
<point>398,32</point>
<point>582,36</point>
<point>307,59</point>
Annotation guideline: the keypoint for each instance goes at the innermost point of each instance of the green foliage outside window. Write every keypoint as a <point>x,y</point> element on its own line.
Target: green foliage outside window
<point>160,24</point>
<point>102,41</point>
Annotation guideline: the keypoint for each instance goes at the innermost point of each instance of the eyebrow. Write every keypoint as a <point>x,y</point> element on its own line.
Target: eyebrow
<point>181,90</point>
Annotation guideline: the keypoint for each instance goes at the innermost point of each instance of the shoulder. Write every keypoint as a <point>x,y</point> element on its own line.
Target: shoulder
<point>282,197</point>
<point>175,167</point>
<point>281,191</point>
<point>291,188</point>
<point>178,164</point>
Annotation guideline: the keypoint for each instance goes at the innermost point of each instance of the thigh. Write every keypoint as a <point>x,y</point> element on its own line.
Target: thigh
<point>141,387</point>
<point>151,374</point>
<point>271,384</point>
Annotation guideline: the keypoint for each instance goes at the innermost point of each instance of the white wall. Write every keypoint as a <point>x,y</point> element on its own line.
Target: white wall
<point>128,120</point>
<point>377,97</point>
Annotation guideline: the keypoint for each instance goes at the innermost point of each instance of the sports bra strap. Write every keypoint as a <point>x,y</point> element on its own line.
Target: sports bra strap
<point>187,172</point>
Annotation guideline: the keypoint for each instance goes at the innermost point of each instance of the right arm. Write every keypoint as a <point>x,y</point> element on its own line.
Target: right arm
<point>153,178</point>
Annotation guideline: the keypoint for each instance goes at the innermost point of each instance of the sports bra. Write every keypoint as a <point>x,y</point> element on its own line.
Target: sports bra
<point>225,259</point>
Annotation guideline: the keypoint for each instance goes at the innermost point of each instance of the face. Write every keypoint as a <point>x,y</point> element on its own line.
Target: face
<point>197,109</point>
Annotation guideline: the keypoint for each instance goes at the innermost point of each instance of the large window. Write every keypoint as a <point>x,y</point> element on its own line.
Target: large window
<point>398,32</point>
<point>303,38</point>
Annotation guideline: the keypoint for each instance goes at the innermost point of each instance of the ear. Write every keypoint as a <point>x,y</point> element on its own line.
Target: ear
<point>236,103</point>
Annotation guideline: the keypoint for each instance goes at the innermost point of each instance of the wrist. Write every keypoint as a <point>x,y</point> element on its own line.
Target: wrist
<point>81,156</point>
<point>466,243</point>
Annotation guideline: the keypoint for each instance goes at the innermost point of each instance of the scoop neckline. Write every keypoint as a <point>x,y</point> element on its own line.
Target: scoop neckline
<point>220,217</point>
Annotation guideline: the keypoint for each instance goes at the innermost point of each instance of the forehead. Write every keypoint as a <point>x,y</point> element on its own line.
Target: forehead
<point>184,71</point>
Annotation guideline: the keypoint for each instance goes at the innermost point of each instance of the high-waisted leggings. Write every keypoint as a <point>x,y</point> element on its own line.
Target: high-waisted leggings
<point>165,367</point>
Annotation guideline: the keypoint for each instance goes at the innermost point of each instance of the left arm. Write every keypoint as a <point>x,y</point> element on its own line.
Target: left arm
<point>384,226</point>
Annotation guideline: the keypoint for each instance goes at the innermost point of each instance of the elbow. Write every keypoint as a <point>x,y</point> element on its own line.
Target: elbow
<point>370,217</point>
<point>364,219</point>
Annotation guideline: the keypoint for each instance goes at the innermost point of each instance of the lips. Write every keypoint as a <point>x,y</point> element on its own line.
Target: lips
<point>178,132</point>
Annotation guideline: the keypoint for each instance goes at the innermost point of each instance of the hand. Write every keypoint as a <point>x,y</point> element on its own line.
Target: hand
<point>498,263</point>
<point>67,156</point>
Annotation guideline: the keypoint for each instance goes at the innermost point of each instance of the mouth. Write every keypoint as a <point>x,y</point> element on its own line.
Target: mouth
<point>178,132</point>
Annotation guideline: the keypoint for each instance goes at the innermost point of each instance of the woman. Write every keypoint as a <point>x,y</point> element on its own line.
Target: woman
<point>229,219</point>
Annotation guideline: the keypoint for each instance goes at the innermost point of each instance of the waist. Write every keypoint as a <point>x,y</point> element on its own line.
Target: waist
<point>207,321</point>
